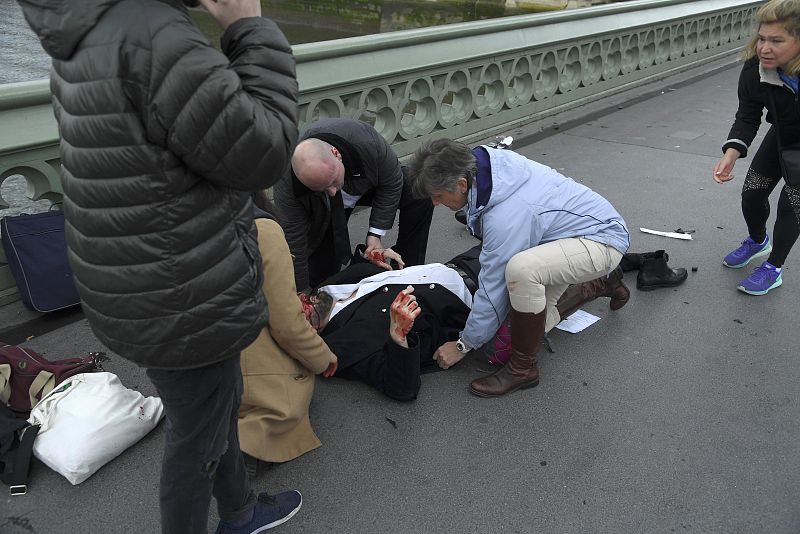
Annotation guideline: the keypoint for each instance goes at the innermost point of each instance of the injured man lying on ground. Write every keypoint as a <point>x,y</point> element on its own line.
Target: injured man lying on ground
<point>385,326</point>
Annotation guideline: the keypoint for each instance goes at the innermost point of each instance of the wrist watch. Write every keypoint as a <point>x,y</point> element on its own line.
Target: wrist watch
<point>462,347</point>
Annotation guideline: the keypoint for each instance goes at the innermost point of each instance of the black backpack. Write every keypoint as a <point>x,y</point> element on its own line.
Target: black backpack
<point>16,447</point>
<point>468,266</point>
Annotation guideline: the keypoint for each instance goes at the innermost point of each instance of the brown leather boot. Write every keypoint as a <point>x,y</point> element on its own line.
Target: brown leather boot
<point>577,295</point>
<point>614,287</point>
<point>527,330</point>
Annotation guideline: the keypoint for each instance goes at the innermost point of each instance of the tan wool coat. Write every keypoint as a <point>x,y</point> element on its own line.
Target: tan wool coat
<point>279,367</point>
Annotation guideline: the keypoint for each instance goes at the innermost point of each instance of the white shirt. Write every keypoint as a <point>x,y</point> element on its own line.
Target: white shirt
<point>432,273</point>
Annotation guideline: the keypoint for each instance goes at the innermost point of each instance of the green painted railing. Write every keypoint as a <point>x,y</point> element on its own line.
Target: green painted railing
<point>465,81</point>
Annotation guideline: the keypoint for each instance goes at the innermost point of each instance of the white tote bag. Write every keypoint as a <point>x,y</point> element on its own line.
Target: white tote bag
<point>88,420</point>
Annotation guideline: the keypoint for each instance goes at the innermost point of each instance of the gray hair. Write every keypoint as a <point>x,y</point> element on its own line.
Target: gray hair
<point>438,165</point>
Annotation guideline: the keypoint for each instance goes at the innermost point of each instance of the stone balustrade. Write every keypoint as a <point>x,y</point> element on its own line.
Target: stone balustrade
<point>470,80</point>
<point>464,81</point>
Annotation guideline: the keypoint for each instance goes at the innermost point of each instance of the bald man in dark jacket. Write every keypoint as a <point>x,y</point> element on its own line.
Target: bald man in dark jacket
<point>163,140</point>
<point>354,166</point>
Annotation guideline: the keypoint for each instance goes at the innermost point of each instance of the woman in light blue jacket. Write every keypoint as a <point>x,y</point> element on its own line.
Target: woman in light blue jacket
<point>541,232</point>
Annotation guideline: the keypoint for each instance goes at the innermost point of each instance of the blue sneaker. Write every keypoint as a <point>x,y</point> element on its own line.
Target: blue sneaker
<point>270,511</point>
<point>747,252</point>
<point>760,281</point>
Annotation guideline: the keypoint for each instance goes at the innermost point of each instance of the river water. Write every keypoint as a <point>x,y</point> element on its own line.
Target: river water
<point>21,56</point>
<point>303,21</point>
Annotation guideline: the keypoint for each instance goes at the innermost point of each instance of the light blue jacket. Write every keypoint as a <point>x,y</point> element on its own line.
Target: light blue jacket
<point>529,204</point>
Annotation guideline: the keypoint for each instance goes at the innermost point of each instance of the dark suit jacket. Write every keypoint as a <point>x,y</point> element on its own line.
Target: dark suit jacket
<point>371,168</point>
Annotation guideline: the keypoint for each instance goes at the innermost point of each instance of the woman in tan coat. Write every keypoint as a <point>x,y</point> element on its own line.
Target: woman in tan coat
<point>279,367</point>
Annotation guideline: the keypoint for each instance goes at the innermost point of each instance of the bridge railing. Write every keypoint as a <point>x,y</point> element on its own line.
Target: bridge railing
<point>465,81</point>
<point>470,80</point>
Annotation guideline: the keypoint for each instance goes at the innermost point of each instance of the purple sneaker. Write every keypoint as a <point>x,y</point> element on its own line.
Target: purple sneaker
<point>760,281</point>
<point>270,511</point>
<point>747,252</point>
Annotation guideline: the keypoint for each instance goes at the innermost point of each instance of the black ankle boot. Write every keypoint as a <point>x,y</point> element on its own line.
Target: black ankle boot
<point>655,273</point>
<point>633,261</point>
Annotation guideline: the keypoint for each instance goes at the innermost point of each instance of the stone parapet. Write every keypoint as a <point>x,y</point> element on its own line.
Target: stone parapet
<point>470,80</point>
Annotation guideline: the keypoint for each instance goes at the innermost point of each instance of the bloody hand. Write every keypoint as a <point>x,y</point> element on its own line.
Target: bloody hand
<point>402,313</point>
<point>376,256</point>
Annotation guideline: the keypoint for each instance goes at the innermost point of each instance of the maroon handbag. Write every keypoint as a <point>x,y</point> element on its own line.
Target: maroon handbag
<point>26,376</point>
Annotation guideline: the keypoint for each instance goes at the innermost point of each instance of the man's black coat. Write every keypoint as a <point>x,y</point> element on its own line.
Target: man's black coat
<point>360,332</point>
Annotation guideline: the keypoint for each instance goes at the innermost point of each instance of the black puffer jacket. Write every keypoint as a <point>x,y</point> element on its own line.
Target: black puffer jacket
<point>162,140</point>
<point>755,84</point>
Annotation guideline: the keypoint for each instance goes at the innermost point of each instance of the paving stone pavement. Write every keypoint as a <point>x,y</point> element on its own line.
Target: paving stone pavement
<point>677,413</point>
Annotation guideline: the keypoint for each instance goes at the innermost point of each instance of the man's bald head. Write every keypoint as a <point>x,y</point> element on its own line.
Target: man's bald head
<point>317,165</point>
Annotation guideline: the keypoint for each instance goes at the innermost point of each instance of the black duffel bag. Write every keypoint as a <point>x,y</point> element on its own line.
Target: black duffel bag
<point>36,251</point>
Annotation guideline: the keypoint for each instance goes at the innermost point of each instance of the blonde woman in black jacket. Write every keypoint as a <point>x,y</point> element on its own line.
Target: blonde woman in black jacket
<point>770,74</point>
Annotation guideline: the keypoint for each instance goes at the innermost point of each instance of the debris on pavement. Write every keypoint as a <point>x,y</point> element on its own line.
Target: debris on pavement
<point>675,235</point>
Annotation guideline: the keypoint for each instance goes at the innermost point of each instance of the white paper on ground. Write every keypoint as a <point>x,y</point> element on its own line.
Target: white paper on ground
<point>577,322</point>
<point>676,235</point>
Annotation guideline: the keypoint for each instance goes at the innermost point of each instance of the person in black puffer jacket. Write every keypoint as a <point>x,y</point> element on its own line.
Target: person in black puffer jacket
<point>163,140</point>
<point>769,80</point>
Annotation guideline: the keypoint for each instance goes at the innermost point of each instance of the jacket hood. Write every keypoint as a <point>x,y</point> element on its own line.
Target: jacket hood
<point>61,24</point>
<point>500,186</point>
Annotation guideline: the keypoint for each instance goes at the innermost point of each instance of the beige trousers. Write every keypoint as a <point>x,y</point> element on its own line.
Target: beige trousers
<point>537,277</point>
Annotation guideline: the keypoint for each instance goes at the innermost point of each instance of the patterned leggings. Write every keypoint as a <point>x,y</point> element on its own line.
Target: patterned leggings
<point>762,177</point>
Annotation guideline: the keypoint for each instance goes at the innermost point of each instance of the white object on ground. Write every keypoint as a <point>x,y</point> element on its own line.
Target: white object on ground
<point>676,235</point>
<point>577,321</point>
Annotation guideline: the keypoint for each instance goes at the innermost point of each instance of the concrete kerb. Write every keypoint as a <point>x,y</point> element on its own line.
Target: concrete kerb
<point>19,324</point>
